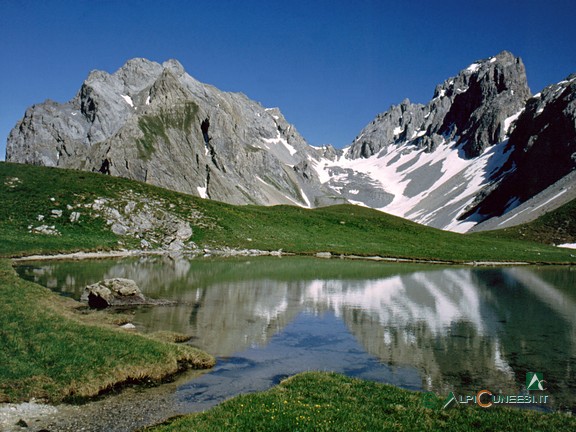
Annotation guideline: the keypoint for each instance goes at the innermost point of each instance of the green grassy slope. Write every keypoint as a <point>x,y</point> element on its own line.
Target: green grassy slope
<point>27,192</point>
<point>555,227</point>
<point>316,401</point>
<point>51,351</point>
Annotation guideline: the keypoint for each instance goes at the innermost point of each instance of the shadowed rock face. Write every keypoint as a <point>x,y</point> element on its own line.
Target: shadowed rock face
<point>543,150</point>
<point>470,108</point>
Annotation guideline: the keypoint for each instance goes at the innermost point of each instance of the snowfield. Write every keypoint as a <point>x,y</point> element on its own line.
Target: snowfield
<point>431,188</point>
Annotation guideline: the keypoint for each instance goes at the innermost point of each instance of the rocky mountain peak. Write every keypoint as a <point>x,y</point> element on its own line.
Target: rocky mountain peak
<point>137,74</point>
<point>155,123</point>
<point>470,109</point>
<point>175,67</point>
<point>496,89</point>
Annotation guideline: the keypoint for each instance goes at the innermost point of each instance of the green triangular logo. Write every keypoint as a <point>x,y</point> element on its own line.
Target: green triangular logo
<point>534,381</point>
<point>450,401</point>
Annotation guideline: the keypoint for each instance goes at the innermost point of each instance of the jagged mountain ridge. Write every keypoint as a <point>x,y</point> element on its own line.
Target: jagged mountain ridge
<point>467,155</point>
<point>460,159</point>
<point>157,124</point>
<point>470,108</point>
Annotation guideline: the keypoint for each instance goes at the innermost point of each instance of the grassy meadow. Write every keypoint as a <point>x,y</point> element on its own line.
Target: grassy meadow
<point>31,193</point>
<point>316,401</point>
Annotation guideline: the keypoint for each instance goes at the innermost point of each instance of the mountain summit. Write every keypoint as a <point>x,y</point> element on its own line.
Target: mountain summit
<point>468,154</point>
<point>480,148</point>
<point>470,109</point>
<point>155,123</point>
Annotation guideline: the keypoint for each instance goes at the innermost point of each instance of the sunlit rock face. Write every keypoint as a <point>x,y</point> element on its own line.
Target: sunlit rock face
<point>155,123</point>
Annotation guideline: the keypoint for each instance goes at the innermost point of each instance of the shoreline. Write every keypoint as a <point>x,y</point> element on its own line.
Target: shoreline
<point>83,255</point>
<point>68,416</point>
<point>132,408</point>
<point>229,252</point>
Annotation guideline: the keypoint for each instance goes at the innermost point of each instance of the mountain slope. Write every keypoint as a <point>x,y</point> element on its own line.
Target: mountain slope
<point>155,123</point>
<point>84,211</point>
<point>557,226</point>
<point>466,155</point>
<point>542,151</point>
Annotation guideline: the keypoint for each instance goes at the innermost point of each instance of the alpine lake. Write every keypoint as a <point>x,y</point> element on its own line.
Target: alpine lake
<point>422,327</point>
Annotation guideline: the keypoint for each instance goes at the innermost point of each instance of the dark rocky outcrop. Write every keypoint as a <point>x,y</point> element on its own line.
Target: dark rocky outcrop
<point>470,109</point>
<point>543,151</point>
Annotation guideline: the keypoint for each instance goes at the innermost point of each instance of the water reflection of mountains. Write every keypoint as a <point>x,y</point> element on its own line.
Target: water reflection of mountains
<point>463,328</point>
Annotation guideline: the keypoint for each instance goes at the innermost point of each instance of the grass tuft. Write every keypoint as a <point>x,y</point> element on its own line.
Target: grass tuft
<point>169,336</point>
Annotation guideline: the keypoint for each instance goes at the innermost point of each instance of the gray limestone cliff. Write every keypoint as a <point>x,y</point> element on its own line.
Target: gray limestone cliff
<point>155,123</point>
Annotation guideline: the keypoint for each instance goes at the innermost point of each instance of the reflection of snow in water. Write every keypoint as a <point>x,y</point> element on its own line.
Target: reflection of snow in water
<point>499,361</point>
<point>437,298</point>
<point>446,323</point>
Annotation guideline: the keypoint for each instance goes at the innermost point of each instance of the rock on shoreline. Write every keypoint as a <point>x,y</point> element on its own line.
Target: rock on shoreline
<point>116,292</point>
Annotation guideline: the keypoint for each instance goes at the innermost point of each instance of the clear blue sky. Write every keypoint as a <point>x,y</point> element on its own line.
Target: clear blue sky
<point>330,66</point>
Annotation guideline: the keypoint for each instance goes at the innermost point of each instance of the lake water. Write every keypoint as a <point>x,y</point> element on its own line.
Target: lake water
<point>426,328</point>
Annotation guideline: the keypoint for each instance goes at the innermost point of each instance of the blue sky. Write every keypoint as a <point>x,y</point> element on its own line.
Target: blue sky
<point>330,66</point>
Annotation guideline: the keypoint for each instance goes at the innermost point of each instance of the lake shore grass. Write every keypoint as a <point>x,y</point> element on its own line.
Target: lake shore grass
<point>50,350</point>
<point>34,196</point>
<point>318,401</point>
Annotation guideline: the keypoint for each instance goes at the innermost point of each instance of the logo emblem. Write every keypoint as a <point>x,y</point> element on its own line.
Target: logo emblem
<point>450,401</point>
<point>534,381</point>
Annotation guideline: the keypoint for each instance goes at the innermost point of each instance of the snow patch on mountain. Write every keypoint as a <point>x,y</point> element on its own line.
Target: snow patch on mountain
<point>431,188</point>
<point>305,198</point>
<point>280,140</point>
<point>510,120</point>
<point>474,67</point>
<point>202,191</point>
<point>128,100</point>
